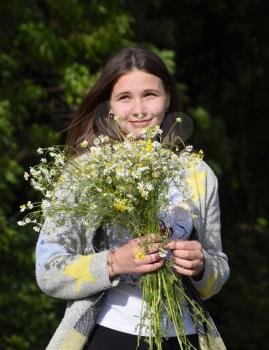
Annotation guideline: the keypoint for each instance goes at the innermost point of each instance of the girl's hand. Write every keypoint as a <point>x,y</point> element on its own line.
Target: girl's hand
<point>136,256</point>
<point>188,257</point>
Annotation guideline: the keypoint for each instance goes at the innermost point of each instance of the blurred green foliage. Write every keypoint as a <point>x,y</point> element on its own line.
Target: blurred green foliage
<point>50,55</point>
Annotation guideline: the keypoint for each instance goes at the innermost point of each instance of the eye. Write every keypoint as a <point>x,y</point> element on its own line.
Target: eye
<point>124,97</point>
<point>150,94</point>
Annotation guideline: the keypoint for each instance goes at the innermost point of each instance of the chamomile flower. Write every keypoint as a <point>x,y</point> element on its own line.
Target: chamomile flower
<point>163,253</point>
<point>29,205</point>
<point>21,223</point>
<point>22,208</point>
<point>84,144</point>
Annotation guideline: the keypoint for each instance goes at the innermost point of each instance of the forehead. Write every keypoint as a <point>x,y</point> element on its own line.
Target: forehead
<point>137,80</point>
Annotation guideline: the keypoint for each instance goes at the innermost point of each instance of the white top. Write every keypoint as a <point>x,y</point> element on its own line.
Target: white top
<point>122,307</point>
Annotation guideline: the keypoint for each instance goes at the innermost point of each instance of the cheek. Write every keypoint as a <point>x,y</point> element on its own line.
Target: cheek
<point>120,109</point>
<point>157,108</point>
<point>158,113</point>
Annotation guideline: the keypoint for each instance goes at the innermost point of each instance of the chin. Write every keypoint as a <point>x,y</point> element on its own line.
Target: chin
<point>137,134</point>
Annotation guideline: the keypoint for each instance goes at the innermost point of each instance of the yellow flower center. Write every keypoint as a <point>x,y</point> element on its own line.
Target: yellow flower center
<point>120,205</point>
<point>139,255</point>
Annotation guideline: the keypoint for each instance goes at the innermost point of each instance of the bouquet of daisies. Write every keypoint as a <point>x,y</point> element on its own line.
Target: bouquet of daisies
<point>124,182</point>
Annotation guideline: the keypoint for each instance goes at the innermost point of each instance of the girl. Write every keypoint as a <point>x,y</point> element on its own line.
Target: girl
<point>95,270</point>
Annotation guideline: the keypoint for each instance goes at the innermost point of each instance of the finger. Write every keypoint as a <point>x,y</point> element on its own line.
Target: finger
<point>146,240</point>
<point>188,254</point>
<point>185,272</point>
<point>146,258</point>
<point>184,245</point>
<point>152,258</point>
<point>153,238</point>
<point>187,264</point>
<point>153,248</point>
<point>148,244</point>
<point>144,249</point>
<point>149,248</point>
<point>151,267</point>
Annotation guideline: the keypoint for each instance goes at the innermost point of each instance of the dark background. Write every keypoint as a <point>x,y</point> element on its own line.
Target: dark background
<point>50,54</point>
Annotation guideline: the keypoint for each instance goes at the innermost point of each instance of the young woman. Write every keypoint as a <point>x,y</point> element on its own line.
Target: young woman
<point>96,271</point>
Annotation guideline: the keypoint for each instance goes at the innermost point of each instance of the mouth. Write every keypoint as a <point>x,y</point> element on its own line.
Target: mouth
<point>140,122</point>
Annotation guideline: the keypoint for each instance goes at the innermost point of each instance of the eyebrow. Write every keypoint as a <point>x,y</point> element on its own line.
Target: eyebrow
<point>144,91</point>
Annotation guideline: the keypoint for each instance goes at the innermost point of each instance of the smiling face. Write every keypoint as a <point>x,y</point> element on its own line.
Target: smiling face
<point>139,100</point>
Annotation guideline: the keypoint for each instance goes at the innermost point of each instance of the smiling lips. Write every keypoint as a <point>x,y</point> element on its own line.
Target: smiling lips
<point>137,122</point>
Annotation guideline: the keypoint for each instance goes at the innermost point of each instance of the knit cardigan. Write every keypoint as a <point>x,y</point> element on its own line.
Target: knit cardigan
<point>71,262</point>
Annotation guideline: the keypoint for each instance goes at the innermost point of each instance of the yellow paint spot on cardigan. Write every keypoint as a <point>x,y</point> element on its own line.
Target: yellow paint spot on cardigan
<point>80,271</point>
<point>196,182</point>
<point>210,341</point>
<point>205,292</point>
<point>73,341</point>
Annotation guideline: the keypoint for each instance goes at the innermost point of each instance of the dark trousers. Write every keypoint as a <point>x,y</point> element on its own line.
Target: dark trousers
<point>103,338</point>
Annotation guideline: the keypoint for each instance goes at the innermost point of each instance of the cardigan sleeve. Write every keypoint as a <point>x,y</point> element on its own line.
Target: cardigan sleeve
<point>67,266</point>
<point>216,271</point>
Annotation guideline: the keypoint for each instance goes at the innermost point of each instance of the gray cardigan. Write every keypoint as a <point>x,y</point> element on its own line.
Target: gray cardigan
<point>72,265</point>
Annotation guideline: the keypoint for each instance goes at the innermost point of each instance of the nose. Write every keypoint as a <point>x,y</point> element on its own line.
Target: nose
<point>139,109</point>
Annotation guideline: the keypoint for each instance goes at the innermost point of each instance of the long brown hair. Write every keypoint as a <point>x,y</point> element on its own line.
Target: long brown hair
<point>91,118</point>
